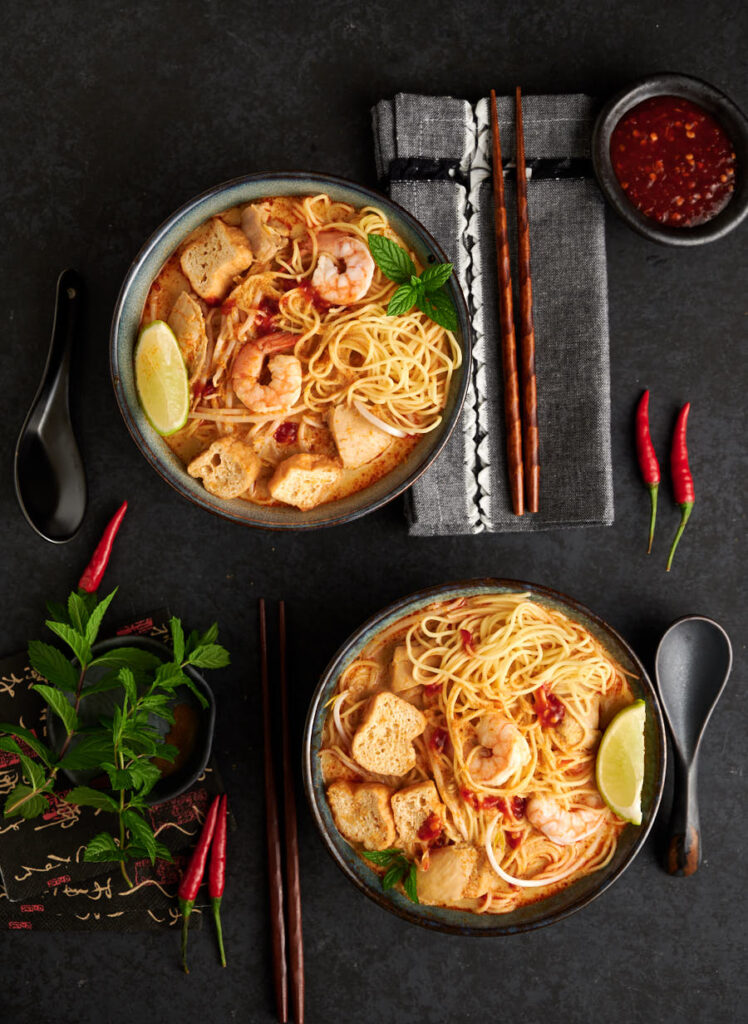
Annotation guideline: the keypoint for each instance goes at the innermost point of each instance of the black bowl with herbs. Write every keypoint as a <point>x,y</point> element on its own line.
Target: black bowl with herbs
<point>191,732</point>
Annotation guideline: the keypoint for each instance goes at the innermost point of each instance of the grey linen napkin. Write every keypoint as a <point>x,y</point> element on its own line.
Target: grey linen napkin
<point>434,156</point>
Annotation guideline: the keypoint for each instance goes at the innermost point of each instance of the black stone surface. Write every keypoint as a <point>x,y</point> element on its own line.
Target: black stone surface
<point>112,115</point>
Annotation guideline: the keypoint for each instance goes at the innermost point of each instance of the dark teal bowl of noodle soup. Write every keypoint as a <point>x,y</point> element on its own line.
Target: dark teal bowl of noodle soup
<point>529,916</point>
<point>129,309</point>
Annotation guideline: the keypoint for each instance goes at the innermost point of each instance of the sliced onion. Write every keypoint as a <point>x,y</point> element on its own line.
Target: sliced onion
<point>340,699</point>
<point>375,421</point>
<point>527,883</point>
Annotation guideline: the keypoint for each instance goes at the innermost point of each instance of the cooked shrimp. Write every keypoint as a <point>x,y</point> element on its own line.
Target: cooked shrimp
<point>508,750</point>
<point>344,268</point>
<point>560,825</point>
<point>284,388</point>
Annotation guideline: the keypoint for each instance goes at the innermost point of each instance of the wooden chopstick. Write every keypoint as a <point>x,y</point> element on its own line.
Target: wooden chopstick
<point>275,875</point>
<point>293,888</point>
<point>526,324</point>
<point>512,414</point>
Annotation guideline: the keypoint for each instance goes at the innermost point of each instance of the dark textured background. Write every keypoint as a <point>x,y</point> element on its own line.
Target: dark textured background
<point>112,115</point>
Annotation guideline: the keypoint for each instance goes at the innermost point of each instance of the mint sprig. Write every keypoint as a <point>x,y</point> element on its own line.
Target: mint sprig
<point>424,291</point>
<point>123,746</point>
<point>399,869</point>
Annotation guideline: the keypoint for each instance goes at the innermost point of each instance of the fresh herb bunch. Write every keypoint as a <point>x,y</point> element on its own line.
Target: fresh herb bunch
<point>124,745</point>
<point>426,291</point>
<point>399,869</point>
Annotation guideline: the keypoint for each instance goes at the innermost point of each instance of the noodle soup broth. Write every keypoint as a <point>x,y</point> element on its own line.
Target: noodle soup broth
<point>303,390</point>
<point>486,785</point>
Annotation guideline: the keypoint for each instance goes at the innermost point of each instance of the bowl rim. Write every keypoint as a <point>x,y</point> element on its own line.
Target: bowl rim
<point>715,102</point>
<point>443,591</point>
<point>447,426</point>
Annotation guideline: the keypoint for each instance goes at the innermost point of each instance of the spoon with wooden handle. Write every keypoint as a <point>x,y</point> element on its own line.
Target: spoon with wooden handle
<point>692,665</point>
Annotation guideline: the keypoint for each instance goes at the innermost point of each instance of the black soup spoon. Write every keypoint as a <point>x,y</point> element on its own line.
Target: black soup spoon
<point>692,665</point>
<point>49,476</point>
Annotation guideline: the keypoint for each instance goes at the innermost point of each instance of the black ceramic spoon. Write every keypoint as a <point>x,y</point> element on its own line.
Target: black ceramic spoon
<point>49,476</point>
<point>692,664</point>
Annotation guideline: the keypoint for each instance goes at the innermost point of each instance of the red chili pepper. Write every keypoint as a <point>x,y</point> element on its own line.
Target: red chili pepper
<point>287,432</point>
<point>431,829</point>
<point>467,641</point>
<point>548,707</point>
<point>438,739</point>
<point>513,839</point>
<point>470,798</point>
<point>95,569</point>
<point>193,876</point>
<point>489,802</point>
<point>217,872</point>
<point>519,806</point>
<point>648,464</point>
<point>682,479</point>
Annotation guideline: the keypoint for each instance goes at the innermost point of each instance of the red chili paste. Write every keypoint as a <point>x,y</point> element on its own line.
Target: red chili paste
<point>674,161</point>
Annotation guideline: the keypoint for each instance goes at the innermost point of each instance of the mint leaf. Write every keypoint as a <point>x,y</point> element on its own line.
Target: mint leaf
<point>141,832</point>
<point>129,685</point>
<point>22,800</point>
<point>8,744</point>
<point>84,796</point>
<point>404,299</point>
<point>210,656</point>
<point>435,276</point>
<point>392,260</point>
<point>32,771</point>
<point>88,751</point>
<point>158,704</point>
<point>59,703</point>
<point>167,752</point>
<point>40,749</point>
<point>210,635</point>
<point>94,622</point>
<point>410,884</point>
<point>439,307</point>
<point>78,644</point>
<point>169,676</point>
<point>132,657</point>
<point>58,612</point>
<point>144,776</point>
<point>395,873</point>
<point>102,848</point>
<point>381,857</point>
<point>109,681</point>
<point>177,639</point>
<point>164,852</point>
<point>77,613</point>
<point>198,694</point>
<point>52,664</point>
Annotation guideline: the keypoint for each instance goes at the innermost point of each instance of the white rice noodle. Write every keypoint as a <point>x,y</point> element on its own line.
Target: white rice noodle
<point>529,883</point>
<point>375,421</point>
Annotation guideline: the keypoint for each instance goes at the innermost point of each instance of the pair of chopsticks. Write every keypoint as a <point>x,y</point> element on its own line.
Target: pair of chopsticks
<point>288,948</point>
<point>521,422</point>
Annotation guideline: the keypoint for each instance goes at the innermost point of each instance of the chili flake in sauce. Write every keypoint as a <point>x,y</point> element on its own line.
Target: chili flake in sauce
<point>674,161</point>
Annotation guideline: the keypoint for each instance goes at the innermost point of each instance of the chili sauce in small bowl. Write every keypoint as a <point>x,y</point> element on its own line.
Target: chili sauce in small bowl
<point>670,155</point>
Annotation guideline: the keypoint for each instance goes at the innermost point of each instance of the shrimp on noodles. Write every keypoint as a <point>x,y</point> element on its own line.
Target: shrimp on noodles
<point>283,390</point>
<point>508,750</point>
<point>560,825</point>
<point>344,270</point>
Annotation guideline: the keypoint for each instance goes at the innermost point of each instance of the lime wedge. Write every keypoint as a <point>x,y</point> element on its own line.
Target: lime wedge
<point>161,378</point>
<point>619,771</point>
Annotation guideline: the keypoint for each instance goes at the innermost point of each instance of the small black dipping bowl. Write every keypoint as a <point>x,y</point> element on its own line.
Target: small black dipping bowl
<point>730,117</point>
<point>91,708</point>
